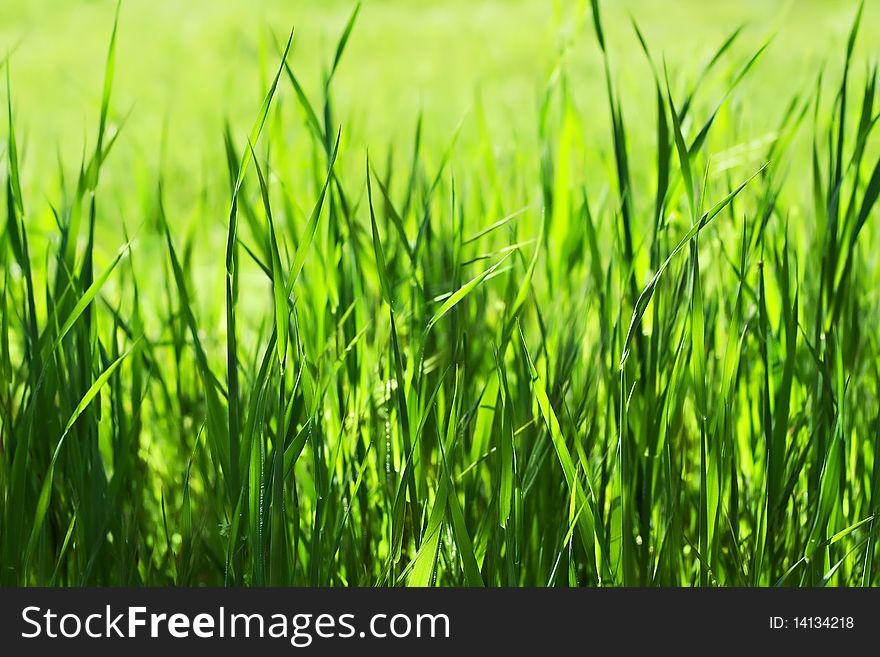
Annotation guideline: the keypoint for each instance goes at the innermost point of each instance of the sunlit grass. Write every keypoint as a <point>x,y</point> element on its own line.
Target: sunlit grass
<point>438,364</point>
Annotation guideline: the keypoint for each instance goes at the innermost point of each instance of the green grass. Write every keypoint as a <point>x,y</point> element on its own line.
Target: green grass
<point>622,337</point>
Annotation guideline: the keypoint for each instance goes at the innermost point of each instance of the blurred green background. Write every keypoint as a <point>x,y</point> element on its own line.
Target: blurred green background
<point>183,69</point>
<point>188,66</point>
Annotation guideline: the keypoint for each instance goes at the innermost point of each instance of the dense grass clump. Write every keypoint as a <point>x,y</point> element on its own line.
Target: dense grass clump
<point>445,368</point>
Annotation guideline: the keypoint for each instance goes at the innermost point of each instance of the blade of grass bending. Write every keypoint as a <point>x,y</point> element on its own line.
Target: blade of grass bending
<point>716,57</point>
<point>46,488</point>
<point>839,563</point>
<point>494,226</point>
<point>343,41</point>
<point>88,296</point>
<point>704,131</point>
<point>648,291</point>
<point>463,291</point>
<point>260,121</point>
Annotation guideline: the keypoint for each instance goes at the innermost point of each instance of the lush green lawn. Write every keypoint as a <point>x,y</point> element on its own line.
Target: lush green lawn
<point>543,315</point>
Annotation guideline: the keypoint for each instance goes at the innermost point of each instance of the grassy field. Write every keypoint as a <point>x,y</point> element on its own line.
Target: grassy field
<point>439,293</point>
